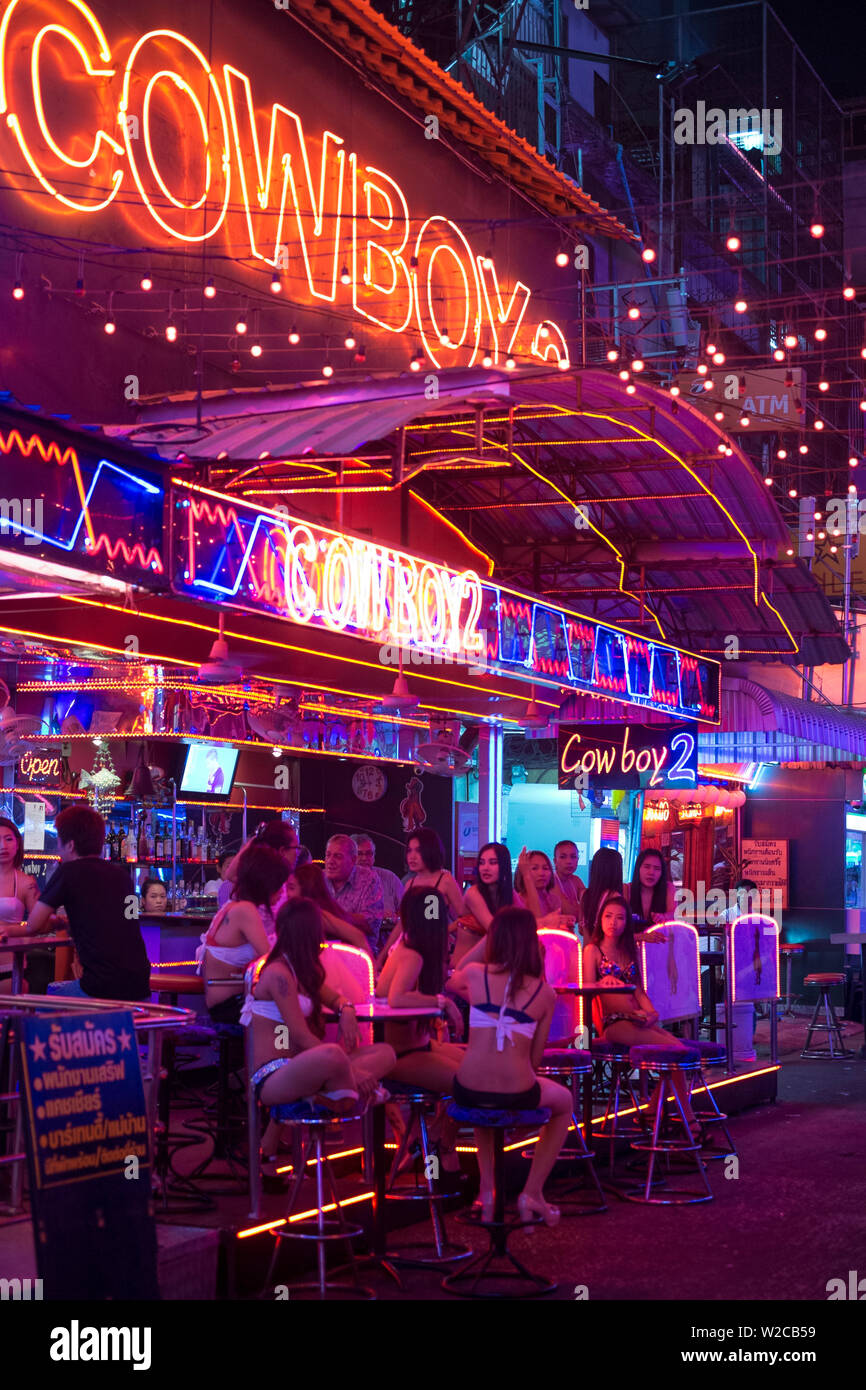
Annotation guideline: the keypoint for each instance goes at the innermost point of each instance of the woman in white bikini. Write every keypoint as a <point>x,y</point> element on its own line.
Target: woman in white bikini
<point>237,936</point>
<point>285,1012</point>
<point>18,892</point>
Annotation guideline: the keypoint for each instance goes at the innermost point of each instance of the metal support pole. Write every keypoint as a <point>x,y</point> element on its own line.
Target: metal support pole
<point>729,999</point>
<point>489,784</point>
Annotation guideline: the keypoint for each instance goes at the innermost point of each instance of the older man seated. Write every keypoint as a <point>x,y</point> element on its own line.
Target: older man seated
<point>357,890</point>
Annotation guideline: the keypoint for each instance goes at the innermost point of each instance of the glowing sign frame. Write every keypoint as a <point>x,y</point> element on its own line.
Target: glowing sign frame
<point>306,215</point>
<point>228,550</point>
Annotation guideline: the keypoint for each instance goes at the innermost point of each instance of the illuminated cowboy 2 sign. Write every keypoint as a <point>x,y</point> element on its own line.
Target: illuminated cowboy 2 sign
<point>181,147</point>
<point>230,551</point>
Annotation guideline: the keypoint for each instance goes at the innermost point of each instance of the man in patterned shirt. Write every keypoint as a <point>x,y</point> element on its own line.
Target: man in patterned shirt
<point>357,890</point>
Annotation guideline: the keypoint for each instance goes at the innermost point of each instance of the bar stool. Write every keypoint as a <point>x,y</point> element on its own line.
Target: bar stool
<point>613,1126</point>
<point>573,1067</point>
<point>172,1186</point>
<point>712,1054</point>
<point>310,1124</point>
<point>466,1280</point>
<point>789,949</point>
<point>667,1063</point>
<point>439,1250</point>
<point>223,1118</point>
<point>832,1027</point>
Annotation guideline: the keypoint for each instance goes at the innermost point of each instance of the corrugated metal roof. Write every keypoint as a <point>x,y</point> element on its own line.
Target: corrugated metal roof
<point>360,31</point>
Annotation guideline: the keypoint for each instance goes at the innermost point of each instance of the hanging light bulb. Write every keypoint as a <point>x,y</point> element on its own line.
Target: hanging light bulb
<point>792,492</point>
<point>327,370</point>
<point>710,349</point>
<point>294,336</point>
<point>210,289</point>
<point>414,365</point>
<point>863,405</point>
<point>443,337</point>
<point>702,369</point>
<point>719,358</point>
<point>510,363</point>
<point>241,325</point>
<point>745,421</point>
<point>817,230</point>
<point>18,290</point>
<point>361,354</point>
<point>852,462</point>
<point>719,415</point>
<point>823,385</point>
<point>740,306</point>
<point>487,360</point>
<point>345,277</point>
<point>804,448</point>
<point>487,262</point>
<point>781,453</point>
<point>648,255</point>
<point>256,349</point>
<point>778,355</point>
<point>147,281</point>
<point>612,355</point>
<point>849,292</point>
<point>820,334</point>
<point>709,384</point>
<point>634,312</point>
<point>543,331</point>
<point>789,551</point>
<point>623,374</point>
<point>637,365</point>
<point>733,243</point>
<point>171,330</point>
<point>561,258</point>
<point>819,424</point>
<point>630,389</point>
<point>276,283</point>
<point>790,340</point>
<point>728,450</point>
<point>109,326</point>
<point>675,390</point>
<point>349,340</point>
<point>768,481</point>
<point>721,448</point>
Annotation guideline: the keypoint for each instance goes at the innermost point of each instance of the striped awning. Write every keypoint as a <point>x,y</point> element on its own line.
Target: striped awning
<point>771,726</point>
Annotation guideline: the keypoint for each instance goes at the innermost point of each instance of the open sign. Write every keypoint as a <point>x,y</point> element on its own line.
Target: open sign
<point>39,767</point>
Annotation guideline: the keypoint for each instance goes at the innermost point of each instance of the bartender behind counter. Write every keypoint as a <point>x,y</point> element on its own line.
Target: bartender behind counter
<point>102,909</point>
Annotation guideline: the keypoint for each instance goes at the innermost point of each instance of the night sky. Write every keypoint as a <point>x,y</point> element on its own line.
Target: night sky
<point>832,34</point>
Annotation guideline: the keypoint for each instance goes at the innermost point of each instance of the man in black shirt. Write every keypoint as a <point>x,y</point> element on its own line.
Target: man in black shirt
<point>102,910</point>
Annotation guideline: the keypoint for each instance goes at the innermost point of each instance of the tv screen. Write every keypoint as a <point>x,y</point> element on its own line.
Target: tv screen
<point>209,770</point>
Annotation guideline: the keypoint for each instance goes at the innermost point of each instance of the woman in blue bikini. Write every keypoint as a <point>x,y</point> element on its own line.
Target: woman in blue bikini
<point>285,1011</point>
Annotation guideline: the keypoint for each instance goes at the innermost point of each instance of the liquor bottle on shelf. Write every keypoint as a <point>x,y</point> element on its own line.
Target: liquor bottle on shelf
<point>115,844</point>
<point>159,844</point>
<point>150,841</point>
<point>142,841</point>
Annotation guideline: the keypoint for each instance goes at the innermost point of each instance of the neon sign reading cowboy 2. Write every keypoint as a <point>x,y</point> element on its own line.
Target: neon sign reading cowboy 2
<point>230,551</point>
<point>150,121</point>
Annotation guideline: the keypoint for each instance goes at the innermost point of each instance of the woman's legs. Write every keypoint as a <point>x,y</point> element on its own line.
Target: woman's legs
<point>323,1068</point>
<point>368,1065</point>
<point>630,1033</point>
<point>558,1099</point>
<point>434,1071</point>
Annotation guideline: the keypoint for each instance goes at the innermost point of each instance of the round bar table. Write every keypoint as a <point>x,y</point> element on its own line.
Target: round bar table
<point>20,946</point>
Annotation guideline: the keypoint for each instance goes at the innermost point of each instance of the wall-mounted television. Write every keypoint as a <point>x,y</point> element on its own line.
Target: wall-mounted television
<point>209,770</point>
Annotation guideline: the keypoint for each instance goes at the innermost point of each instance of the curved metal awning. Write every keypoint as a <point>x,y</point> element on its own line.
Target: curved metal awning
<point>618,505</point>
<point>765,725</point>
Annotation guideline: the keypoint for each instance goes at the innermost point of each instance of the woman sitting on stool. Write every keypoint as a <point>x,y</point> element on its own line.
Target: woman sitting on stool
<point>610,958</point>
<point>414,975</point>
<point>290,1061</point>
<point>237,936</point>
<point>509,1019</point>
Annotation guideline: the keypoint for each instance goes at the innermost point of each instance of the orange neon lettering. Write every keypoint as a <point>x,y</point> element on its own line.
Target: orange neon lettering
<point>317,215</point>
<point>446,302</point>
<point>393,296</point>
<point>372,572</point>
<point>338,584</point>
<point>158,50</point>
<point>25,111</point>
<point>404,617</point>
<point>432,611</point>
<point>300,596</point>
<point>504,319</point>
<point>551,344</point>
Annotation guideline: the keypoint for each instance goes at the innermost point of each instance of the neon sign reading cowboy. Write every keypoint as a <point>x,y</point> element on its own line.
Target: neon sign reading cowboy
<point>151,121</point>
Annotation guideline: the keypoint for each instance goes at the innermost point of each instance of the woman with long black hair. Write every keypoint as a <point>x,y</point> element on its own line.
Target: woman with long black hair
<point>494,889</point>
<point>237,935</point>
<point>285,1012</point>
<point>651,893</point>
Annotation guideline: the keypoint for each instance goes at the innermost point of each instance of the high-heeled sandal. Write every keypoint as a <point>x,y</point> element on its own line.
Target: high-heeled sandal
<point>530,1208</point>
<point>483,1205</point>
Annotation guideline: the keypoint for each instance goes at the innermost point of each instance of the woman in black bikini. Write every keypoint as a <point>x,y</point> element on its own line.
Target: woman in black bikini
<point>414,974</point>
<point>425,860</point>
